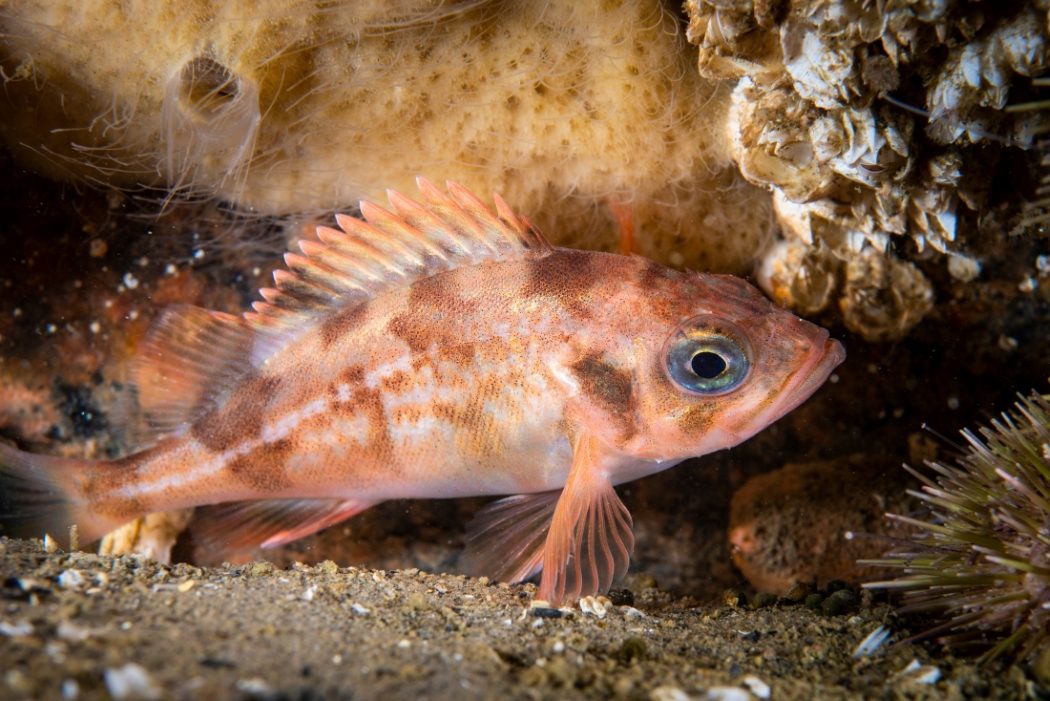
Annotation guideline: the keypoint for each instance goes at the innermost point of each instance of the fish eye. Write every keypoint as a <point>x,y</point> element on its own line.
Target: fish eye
<point>704,357</point>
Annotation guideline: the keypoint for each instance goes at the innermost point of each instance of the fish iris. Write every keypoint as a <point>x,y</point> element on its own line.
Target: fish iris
<point>704,359</point>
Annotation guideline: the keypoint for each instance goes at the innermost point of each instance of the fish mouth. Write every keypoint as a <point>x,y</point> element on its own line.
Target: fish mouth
<point>826,355</point>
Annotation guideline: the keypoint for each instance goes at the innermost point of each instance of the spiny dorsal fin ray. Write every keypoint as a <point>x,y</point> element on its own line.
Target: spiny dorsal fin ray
<point>392,248</point>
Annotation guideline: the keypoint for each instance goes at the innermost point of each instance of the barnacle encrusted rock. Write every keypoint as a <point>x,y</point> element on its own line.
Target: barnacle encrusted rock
<point>874,121</point>
<point>284,106</point>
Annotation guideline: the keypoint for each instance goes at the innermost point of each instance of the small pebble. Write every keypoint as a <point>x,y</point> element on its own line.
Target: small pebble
<point>255,687</point>
<point>70,690</point>
<point>631,649</point>
<point>668,693</point>
<point>758,687</point>
<point>131,682</point>
<point>16,630</point>
<point>840,602</point>
<point>814,600</point>
<point>732,598</point>
<point>632,612</point>
<point>763,599</point>
<point>596,606</point>
<point>726,693</point>
<point>359,609</point>
<point>67,630</point>
<point>71,579</point>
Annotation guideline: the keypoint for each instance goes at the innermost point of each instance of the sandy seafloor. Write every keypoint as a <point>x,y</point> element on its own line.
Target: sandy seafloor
<point>72,623</point>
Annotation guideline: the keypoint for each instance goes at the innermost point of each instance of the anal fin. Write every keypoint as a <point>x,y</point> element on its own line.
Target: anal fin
<point>505,538</point>
<point>269,523</point>
<point>590,539</point>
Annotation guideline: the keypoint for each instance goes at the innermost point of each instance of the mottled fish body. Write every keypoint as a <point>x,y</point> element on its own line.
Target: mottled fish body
<point>440,350</point>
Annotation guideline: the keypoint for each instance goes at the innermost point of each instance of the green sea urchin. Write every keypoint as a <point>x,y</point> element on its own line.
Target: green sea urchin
<point>982,559</point>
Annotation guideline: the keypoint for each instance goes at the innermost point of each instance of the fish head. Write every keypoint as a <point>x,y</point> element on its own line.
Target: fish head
<point>715,362</point>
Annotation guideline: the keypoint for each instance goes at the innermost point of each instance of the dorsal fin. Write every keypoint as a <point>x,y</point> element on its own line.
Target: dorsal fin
<point>391,248</point>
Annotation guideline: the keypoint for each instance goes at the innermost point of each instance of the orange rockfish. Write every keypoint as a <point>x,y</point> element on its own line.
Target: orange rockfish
<point>440,350</point>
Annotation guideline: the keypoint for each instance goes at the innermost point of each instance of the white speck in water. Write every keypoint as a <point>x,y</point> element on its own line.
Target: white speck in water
<point>199,253</point>
<point>170,269</point>
<point>256,271</point>
<point>834,378</point>
<point>848,535</point>
<point>17,312</point>
<point>94,327</point>
<point>130,281</point>
<point>953,403</point>
<point>1042,264</point>
<point>1028,285</point>
<point>50,328</point>
<point>1008,343</point>
<point>142,262</point>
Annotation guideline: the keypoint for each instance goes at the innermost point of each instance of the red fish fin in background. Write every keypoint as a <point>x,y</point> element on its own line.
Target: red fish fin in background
<point>590,539</point>
<point>39,495</point>
<point>187,364</point>
<point>269,523</point>
<point>505,538</point>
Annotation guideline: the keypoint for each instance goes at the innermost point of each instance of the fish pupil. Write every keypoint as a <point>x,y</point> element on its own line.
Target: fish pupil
<point>708,365</point>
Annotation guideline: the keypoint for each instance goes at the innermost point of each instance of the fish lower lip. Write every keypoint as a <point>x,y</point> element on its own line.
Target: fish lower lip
<point>813,374</point>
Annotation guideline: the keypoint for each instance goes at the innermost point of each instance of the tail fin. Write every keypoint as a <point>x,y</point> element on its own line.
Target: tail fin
<point>39,495</point>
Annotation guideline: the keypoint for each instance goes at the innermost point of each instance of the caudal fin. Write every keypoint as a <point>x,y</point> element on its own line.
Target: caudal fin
<point>38,496</point>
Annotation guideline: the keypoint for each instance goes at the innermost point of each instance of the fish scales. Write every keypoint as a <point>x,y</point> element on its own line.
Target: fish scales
<point>456,354</point>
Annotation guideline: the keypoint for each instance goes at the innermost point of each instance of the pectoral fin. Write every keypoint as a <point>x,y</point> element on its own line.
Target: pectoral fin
<point>590,541</point>
<point>505,539</point>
